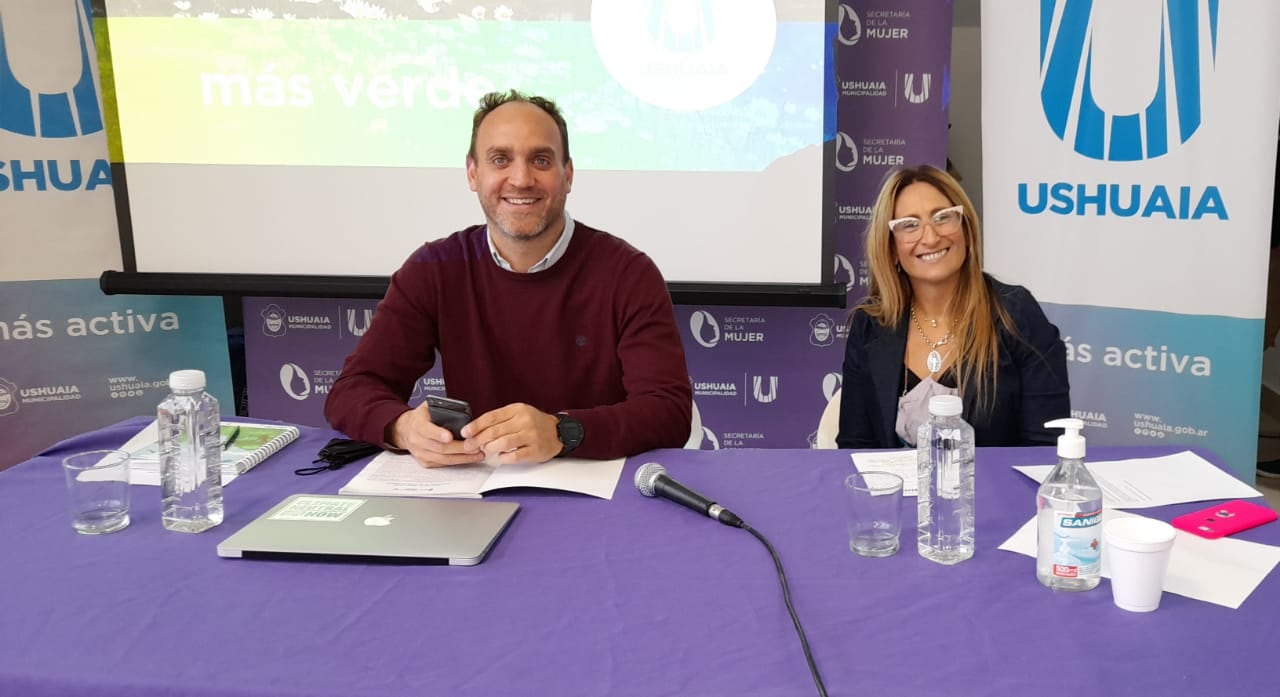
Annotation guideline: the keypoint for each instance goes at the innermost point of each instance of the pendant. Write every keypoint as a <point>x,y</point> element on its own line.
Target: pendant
<point>933,362</point>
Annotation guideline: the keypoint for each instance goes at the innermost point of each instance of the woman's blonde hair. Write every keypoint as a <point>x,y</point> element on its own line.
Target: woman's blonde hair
<point>973,310</point>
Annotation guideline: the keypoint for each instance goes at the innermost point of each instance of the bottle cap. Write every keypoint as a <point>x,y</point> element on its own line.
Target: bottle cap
<point>1070,443</point>
<point>186,380</point>
<point>945,405</point>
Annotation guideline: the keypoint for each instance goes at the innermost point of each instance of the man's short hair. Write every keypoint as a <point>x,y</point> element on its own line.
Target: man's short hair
<point>493,100</point>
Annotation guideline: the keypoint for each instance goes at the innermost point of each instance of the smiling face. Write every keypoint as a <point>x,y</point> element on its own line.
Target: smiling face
<point>935,253</point>
<point>520,173</point>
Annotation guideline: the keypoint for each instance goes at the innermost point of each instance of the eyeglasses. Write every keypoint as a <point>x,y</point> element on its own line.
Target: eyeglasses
<point>945,220</point>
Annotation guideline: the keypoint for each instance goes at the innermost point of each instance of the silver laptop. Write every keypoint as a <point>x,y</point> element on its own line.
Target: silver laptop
<point>379,529</point>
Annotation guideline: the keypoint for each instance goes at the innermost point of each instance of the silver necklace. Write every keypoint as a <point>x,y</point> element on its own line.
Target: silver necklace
<point>934,360</point>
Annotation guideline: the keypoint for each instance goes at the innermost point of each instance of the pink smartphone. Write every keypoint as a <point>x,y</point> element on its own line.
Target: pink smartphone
<point>1222,519</point>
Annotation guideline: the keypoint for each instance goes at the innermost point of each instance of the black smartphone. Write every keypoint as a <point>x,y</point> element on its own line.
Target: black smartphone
<point>451,414</point>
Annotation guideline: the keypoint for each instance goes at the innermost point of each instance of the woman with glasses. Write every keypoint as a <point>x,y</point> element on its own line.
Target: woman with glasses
<point>934,323</point>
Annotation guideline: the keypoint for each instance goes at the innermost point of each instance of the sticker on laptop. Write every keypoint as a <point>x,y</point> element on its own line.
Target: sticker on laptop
<point>329,510</point>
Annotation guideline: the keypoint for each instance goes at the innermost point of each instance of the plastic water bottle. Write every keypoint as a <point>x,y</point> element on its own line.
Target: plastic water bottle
<point>944,462</point>
<point>1069,517</point>
<point>190,454</point>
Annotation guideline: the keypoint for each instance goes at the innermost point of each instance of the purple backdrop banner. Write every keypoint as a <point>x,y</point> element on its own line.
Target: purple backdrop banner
<point>294,349</point>
<point>761,376</point>
<point>892,75</point>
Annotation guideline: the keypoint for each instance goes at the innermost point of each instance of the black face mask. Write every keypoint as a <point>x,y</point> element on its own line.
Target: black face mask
<point>337,453</point>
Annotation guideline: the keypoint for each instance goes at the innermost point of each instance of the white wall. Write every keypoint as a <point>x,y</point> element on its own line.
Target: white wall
<point>965,137</point>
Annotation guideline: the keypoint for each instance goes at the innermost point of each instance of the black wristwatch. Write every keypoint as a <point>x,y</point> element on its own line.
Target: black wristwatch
<point>569,430</point>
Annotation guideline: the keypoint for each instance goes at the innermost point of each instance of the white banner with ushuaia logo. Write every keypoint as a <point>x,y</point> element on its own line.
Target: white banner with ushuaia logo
<point>1129,150</point>
<point>57,215</point>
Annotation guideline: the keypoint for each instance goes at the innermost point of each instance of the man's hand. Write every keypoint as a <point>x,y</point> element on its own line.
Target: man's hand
<point>430,445</point>
<point>514,433</point>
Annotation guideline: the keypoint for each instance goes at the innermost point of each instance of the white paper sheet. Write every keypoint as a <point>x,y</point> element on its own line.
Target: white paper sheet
<point>596,478</point>
<point>1223,571</point>
<point>1157,481</point>
<point>899,462</point>
<point>391,474</point>
<point>147,473</point>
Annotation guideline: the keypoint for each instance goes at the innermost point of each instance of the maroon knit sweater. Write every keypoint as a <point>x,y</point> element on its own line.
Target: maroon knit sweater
<point>594,335</point>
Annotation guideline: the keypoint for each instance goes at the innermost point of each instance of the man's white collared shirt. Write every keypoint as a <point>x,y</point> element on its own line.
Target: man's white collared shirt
<point>544,263</point>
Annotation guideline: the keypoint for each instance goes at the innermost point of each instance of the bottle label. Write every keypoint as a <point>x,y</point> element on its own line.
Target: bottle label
<point>1077,551</point>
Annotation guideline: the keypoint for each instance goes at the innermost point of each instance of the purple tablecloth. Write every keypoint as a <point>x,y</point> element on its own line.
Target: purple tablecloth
<point>633,596</point>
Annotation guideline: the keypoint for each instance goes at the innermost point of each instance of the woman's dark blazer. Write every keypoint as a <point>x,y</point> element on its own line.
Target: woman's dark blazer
<point>1031,379</point>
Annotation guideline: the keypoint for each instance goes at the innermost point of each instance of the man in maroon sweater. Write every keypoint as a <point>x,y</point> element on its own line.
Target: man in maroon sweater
<point>560,336</point>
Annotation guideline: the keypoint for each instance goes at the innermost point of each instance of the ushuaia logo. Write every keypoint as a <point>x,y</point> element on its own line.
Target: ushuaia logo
<point>715,388</point>
<point>681,26</point>
<point>915,89</point>
<point>68,113</point>
<point>294,381</point>
<point>273,320</point>
<point>764,388</point>
<point>40,99</point>
<point>358,324</point>
<point>684,55</point>
<point>1165,43</point>
<point>9,401</point>
<point>1123,82</point>
<point>864,88</point>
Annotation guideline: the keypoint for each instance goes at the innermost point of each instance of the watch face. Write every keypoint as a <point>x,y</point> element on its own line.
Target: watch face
<point>570,431</point>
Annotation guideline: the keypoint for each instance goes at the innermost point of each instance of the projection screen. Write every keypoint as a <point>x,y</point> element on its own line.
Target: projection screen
<point>328,137</point>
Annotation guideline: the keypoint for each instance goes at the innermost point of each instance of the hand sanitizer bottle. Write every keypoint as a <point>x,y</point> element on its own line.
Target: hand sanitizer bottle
<point>1069,517</point>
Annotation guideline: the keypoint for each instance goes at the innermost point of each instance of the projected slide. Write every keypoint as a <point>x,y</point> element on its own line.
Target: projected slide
<point>300,121</point>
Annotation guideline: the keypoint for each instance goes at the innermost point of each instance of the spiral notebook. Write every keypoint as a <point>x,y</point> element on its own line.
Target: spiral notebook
<point>245,445</point>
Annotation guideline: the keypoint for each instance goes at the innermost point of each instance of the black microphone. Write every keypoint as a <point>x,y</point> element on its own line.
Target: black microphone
<point>652,480</point>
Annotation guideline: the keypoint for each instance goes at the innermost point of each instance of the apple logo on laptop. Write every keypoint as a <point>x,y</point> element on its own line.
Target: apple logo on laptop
<point>378,521</point>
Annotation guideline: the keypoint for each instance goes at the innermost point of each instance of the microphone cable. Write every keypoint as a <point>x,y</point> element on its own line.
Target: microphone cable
<point>652,480</point>
<point>795,619</point>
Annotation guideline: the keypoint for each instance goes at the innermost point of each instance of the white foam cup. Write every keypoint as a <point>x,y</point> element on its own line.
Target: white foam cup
<point>1137,553</point>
